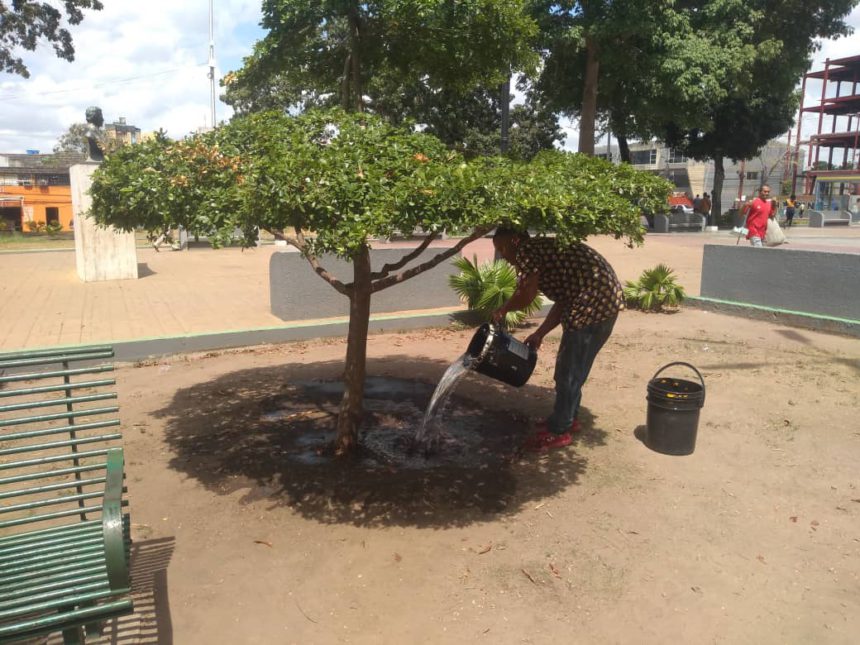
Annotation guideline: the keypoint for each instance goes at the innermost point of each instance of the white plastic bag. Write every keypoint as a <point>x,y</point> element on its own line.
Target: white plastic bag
<point>774,235</point>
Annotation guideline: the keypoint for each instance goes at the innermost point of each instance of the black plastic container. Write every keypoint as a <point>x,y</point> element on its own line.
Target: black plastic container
<point>501,356</point>
<point>673,412</point>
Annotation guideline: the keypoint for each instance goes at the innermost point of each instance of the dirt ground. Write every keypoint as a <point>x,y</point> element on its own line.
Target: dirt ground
<point>243,537</point>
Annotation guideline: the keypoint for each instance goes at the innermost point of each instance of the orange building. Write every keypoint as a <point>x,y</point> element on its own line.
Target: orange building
<point>35,188</point>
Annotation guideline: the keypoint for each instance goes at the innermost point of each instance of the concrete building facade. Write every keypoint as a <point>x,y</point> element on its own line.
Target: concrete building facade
<point>772,166</point>
<point>35,191</point>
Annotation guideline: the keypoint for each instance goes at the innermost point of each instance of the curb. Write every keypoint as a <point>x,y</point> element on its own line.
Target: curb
<point>816,322</point>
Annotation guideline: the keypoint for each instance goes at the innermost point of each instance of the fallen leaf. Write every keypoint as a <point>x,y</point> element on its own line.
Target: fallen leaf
<point>554,570</point>
<point>793,518</point>
<point>397,557</point>
<point>485,549</point>
<point>540,506</point>
<point>760,558</point>
<point>264,542</point>
<point>696,589</point>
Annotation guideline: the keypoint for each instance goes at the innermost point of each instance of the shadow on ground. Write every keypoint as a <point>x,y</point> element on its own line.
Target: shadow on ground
<point>265,430</point>
<point>151,622</point>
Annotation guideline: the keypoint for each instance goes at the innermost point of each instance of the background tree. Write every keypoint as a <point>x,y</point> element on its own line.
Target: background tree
<point>353,177</point>
<point>777,41</point>
<point>317,51</point>
<point>75,140</point>
<point>24,23</point>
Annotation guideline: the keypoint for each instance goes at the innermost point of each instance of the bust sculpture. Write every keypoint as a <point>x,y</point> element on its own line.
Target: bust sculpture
<point>95,120</point>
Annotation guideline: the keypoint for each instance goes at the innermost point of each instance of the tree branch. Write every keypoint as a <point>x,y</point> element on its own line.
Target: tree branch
<point>300,243</point>
<point>391,280</point>
<point>402,262</point>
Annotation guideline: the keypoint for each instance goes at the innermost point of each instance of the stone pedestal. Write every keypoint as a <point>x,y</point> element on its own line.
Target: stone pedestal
<point>100,253</point>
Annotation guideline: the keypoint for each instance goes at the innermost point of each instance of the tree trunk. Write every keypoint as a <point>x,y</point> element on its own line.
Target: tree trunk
<point>589,98</point>
<point>355,63</point>
<point>717,196</point>
<point>623,148</point>
<point>355,368</point>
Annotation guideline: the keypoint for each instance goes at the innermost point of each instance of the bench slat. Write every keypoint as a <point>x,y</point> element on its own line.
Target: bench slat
<point>40,560</point>
<point>72,564</point>
<point>35,376</point>
<point>80,427</point>
<point>56,603</point>
<point>70,456</point>
<point>45,389</point>
<point>56,352</point>
<point>75,470</point>
<point>22,600</point>
<point>82,577</point>
<point>54,622</point>
<point>9,363</point>
<point>48,548</point>
<point>54,501</point>
<point>49,533</point>
<point>50,516</point>
<point>47,403</point>
<point>59,444</point>
<point>35,490</point>
<point>71,414</point>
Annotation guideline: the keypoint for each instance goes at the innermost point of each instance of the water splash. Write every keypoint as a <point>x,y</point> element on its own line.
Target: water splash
<point>428,434</point>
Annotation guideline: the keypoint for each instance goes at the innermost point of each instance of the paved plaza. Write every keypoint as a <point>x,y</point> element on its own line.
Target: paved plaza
<point>204,291</point>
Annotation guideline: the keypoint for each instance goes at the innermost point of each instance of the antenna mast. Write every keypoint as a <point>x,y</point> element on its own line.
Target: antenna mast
<point>212,60</point>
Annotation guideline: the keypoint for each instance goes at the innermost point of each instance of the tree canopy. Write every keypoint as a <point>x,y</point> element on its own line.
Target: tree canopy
<point>336,180</point>
<point>24,23</point>
<point>335,52</point>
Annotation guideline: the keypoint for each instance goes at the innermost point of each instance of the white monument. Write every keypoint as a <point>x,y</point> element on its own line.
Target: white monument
<point>100,253</point>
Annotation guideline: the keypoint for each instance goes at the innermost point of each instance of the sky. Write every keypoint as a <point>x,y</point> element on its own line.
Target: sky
<point>147,62</point>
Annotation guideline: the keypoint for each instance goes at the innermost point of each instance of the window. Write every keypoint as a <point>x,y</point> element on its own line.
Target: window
<point>752,175</point>
<point>676,157</point>
<point>52,215</point>
<point>643,157</point>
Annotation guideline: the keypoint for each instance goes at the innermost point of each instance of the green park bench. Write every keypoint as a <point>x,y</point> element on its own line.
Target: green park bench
<point>64,538</point>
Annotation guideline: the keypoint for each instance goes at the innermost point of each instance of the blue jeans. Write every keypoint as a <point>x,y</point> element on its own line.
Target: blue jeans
<point>576,354</point>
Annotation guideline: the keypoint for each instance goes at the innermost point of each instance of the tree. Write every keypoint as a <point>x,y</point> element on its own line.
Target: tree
<point>351,53</point>
<point>75,140</point>
<point>353,177</point>
<point>25,23</point>
<point>777,44</point>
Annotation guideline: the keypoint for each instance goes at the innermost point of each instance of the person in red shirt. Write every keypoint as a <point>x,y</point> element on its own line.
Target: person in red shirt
<point>758,211</point>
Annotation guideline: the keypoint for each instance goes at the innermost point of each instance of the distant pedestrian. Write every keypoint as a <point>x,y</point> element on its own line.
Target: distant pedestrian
<point>697,204</point>
<point>705,207</point>
<point>758,211</point>
<point>790,205</point>
<point>801,210</point>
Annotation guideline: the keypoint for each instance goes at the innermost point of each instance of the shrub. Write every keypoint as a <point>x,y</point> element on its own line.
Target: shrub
<point>655,289</point>
<point>53,228</point>
<point>487,287</point>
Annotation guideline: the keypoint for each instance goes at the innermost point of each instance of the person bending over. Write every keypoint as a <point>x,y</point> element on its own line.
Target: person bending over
<point>587,297</point>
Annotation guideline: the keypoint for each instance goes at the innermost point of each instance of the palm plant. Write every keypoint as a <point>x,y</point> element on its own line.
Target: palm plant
<point>487,287</point>
<point>655,289</point>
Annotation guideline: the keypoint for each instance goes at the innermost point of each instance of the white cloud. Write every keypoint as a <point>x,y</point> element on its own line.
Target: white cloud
<point>146,62</point>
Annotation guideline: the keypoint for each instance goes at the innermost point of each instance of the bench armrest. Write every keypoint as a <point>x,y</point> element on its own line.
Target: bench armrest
<point>112,525</point>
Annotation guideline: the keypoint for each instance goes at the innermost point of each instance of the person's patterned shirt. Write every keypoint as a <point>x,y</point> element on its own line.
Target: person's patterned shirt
<point>577,277</point>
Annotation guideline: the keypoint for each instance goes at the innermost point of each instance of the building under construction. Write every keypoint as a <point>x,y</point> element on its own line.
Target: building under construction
<point>832,175</point>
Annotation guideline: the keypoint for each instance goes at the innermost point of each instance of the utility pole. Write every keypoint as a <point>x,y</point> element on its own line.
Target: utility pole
<point>212,59</point>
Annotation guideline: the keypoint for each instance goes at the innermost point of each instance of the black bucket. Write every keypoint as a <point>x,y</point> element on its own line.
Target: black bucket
<point>673,412</point>
<point>501,356</point>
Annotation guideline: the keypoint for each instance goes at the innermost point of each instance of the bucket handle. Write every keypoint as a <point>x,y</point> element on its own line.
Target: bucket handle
<point>698,373</point>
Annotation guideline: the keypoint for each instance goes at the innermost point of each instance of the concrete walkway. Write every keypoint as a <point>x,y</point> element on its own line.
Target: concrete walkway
<point>205,293</point>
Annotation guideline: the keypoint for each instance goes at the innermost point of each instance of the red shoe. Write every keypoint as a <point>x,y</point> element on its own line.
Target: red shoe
<point>543,426</point>
<point>544,440</point>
